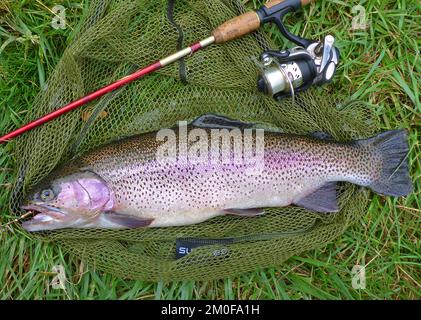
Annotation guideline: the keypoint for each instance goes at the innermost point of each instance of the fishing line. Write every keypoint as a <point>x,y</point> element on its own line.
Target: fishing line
<point>182,63</point>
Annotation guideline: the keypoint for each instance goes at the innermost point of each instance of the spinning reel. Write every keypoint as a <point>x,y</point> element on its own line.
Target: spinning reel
<point>284,73</point>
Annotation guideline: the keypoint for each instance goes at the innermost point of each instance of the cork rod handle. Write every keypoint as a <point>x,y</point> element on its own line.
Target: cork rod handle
<point>244,24</point>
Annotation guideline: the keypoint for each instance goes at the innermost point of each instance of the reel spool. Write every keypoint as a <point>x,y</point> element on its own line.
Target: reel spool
<point>284,73</point>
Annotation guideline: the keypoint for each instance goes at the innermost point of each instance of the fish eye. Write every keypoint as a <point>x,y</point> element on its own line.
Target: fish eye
<point>47,194</point>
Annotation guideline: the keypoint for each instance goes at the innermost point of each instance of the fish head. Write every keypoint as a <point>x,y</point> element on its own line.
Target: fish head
<point>67,200</point>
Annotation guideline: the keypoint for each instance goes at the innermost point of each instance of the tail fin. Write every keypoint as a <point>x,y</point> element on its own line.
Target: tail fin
<point>394,179</point>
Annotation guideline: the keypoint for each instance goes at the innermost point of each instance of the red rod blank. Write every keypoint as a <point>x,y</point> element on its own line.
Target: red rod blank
<point>96,94</point>
<point>77,103</point>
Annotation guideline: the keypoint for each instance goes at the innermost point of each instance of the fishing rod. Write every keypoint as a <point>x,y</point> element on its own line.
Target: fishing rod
<point>281,73</point>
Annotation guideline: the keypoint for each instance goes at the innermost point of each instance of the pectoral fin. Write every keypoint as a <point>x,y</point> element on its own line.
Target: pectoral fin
<point>127,221</point>
<point>321,200</point>
<point>244,212</point>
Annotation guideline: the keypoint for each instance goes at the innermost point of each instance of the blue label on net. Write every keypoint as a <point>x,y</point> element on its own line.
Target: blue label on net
<point>186,245</point>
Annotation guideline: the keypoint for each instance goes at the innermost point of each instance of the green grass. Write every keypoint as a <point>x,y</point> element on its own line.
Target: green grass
<point>380,65</point>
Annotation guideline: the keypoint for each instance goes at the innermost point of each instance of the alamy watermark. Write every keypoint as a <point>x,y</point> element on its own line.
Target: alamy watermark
<point>59,280</point>
<point>358,277</point>
<point>59,19</point>
<point>359,19</point>
<point>215,146</point>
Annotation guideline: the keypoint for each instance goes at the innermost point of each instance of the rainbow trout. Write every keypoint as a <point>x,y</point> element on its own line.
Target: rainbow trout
<point>151,180</point>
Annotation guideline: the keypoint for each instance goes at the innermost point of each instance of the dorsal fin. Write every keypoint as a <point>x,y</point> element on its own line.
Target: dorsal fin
<point>215,121</point>
<point>322,135</point>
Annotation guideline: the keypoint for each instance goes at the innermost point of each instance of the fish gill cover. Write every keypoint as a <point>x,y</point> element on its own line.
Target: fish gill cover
<point>116,37</point>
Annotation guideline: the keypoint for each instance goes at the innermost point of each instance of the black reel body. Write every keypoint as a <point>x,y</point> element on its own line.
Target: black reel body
<point>286,72</point>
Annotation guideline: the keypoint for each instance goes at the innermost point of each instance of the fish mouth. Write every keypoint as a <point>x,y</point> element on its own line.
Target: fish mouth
<point>45,218</point>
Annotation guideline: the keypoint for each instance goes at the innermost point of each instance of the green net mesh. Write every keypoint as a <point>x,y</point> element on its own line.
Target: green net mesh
<point>115,38</point>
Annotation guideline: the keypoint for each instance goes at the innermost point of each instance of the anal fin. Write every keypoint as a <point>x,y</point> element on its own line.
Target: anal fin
<point>321,200</point>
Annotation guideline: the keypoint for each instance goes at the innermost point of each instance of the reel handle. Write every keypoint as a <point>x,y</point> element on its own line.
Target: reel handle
<point>248,22</point>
